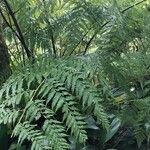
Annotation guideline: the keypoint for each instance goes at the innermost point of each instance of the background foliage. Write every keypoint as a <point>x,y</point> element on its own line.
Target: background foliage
<point>80,74</point>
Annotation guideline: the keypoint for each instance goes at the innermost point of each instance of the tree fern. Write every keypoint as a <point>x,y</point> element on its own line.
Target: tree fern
<point>44,106</point>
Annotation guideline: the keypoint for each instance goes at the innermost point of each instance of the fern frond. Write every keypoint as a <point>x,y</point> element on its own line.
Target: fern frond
<point>60,98</point>
<point>54,129</point>
<point>41,94</point>
<point>28,131</point>
<point>87,94</point>
<point>8,116</point>
<point>139,134</point>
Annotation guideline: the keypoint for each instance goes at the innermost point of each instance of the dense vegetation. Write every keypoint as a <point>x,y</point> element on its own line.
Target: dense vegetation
<point>74,74</point>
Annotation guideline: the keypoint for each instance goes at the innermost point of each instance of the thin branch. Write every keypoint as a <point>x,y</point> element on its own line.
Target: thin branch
<point>20,7</point>
<point>20,35</point>
<point>132,6</point>
<point>91,39</point>
<point>7,23</point>
<point>52,37</point>
<point>81,41</point>
<point>16,44</point>
<point>77,44</point>
<point>94,35</point>
<point>51,31</point>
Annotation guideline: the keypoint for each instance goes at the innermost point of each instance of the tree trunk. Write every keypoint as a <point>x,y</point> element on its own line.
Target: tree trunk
<point>5,70</point>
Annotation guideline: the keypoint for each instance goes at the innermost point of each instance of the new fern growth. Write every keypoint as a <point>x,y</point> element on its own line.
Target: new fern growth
<point>46,105</point>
